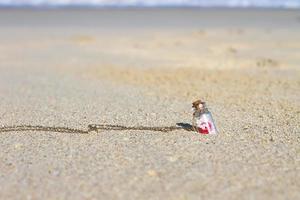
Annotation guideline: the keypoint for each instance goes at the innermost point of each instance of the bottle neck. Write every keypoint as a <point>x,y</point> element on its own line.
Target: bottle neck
<point>204,110</point>
<point>201,109</point>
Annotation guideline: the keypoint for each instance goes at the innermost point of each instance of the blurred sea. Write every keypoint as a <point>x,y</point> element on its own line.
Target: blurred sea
<point>153,3</point>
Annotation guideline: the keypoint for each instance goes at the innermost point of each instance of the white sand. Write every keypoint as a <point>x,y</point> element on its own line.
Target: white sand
<point>74,68</point>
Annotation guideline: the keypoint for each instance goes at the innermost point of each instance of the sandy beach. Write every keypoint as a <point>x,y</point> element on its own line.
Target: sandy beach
<point>144,67</point>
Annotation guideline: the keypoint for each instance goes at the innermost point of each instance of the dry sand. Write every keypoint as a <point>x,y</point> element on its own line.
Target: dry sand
<point>145,67</point>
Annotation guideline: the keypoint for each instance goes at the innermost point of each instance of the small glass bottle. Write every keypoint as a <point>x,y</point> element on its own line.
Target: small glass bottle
<point>203,122</point>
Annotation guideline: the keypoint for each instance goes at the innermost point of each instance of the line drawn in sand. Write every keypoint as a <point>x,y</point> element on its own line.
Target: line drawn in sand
<point>94,128</point>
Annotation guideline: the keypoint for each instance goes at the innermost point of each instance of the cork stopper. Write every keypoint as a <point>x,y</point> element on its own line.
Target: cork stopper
<point>199,106</point>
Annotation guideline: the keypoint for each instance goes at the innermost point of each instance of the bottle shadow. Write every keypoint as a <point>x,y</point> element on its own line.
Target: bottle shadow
<point>185,126</point>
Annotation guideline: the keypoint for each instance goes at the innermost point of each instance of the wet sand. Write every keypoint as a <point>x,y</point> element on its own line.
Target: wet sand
<point>72,68</point>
